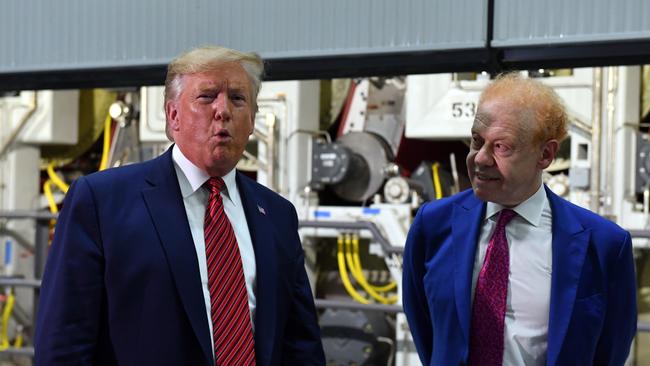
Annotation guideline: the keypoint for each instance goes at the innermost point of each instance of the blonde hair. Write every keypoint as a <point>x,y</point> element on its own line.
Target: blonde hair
<point>208,58</point>
<point>536,103</point>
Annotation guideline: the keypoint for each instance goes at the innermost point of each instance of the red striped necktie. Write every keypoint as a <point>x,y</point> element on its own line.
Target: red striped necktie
<point>231,320</point>
<point>490,295</point>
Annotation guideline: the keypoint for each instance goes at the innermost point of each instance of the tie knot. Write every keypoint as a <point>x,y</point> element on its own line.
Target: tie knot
<point>215,184</point>
<point>505,217</point>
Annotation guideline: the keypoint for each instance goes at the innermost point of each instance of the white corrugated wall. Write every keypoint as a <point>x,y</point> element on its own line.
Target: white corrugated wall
<point>41,35</point>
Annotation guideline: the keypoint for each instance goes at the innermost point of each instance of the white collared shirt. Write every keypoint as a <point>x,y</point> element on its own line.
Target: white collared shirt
<point>529,281</point>
<point>195,199</point>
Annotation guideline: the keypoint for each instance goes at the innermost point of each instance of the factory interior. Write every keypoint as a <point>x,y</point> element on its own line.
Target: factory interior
<point>364,114</point>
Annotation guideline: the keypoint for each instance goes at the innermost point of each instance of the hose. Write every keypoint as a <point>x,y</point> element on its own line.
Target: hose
<point>357,264</point>
<point>107,142</point>
<point>47,189</point>
<point>436,180</point>
<point>344,274</point>
<point>4,329</point>
<point>63,186</point>
<point>358,275</point>
<point>18,342</point>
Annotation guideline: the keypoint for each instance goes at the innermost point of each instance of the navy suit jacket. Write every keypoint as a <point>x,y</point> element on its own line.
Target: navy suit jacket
<point>122,284</point>
<point>592,318</point>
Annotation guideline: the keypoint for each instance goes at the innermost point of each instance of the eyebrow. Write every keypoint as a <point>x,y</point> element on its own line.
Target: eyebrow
<point>213,87</point>
<point>237,89</point>
<point>208,87</point>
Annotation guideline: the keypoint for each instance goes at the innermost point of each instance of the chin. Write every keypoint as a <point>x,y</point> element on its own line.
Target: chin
<point>486,196</point>
<point>481,194</point>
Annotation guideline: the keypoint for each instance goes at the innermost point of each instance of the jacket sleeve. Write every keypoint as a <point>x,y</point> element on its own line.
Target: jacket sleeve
<point>414,299</point>
<point>302,344</point>
<point>72,293</point>
<point>620,323</point>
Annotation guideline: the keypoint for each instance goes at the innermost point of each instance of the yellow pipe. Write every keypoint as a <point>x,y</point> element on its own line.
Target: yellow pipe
<point>56,180</point>
<point>357,264</point>
<point>358,275</point>
<point>6,313</point>
<point>107,142</point>
<point>436,180</point>
<point>63,186</point>
<point>19,337</point>
<point>344,275</point>
<point>47,189</point>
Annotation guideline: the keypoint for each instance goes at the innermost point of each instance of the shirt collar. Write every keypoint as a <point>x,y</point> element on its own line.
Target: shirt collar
<point>197,177</point>
<point>531,209</point>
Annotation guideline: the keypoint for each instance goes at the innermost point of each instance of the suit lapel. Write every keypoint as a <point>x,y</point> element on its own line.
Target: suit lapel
<point>569,248</point>
<point>262,236</point>
<point>165,204</point>
<point>466,225</point>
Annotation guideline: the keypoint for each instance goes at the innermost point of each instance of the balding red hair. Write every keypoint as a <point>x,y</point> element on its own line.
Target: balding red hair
<point>535,102</point>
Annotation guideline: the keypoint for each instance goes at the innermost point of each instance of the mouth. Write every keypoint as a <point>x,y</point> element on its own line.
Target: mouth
<point>485,177</point>
<point>222,134</point>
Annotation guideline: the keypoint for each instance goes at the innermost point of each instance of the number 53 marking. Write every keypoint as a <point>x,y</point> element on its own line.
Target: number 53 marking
<point>463,109</point>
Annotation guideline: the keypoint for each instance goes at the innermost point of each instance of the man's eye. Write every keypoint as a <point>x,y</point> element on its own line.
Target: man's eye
<point>238,98</point>
<point>476,143</point>
<point>501,147</point>
<point>206,97</point>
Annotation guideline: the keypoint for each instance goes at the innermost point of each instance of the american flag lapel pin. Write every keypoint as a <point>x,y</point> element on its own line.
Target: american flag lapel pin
<point>261,210</point>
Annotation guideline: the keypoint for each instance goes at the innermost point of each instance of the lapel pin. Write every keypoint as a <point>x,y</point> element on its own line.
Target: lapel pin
<point>261,210</point>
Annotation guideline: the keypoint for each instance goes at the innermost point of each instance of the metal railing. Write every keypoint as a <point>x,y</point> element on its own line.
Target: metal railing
<point>355,225</point>
<point>40,247</point>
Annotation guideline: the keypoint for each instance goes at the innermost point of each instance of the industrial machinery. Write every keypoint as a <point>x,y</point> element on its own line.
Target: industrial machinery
<point>375,193</point>
<point>356,179</point>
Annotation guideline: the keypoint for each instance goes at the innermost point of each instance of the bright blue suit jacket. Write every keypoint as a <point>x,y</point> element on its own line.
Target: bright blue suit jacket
<point>122,284</point>
<point>592,318</point>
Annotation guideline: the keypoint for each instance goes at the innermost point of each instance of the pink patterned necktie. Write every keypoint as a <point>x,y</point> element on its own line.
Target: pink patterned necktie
<point>231,320</point>
<point>489,310</point>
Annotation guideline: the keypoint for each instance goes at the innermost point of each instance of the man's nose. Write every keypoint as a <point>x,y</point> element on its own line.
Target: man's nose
<point>484,157</point>
<point>222,107</point>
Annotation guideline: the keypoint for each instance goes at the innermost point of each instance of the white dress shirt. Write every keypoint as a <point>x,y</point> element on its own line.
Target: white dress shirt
<point>195,199</point>
<point>529,280</point>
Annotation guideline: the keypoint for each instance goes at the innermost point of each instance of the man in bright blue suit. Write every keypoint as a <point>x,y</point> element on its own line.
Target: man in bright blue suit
<point>508,273</point>
<point>128,280</point>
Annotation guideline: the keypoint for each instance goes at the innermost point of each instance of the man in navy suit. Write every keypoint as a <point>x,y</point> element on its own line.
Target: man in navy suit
<point>127,280</point>
<point>508,273</point>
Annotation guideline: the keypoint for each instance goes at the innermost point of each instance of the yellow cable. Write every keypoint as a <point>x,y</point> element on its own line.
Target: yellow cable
<point>19,339</point>
<point>107,142</point>
<point>47,189</point>
<point>358,275</point>
<point>63,186</point>
<point>436,180</point>
<point>6,313</point>
<point>344,275</point>
<point>56,180</point>
<point>357,264</point>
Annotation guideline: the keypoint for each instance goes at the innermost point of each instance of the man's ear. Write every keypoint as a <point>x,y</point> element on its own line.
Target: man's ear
<point>171,112</point>
<point>549,150</point>
<point>252,126</point>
